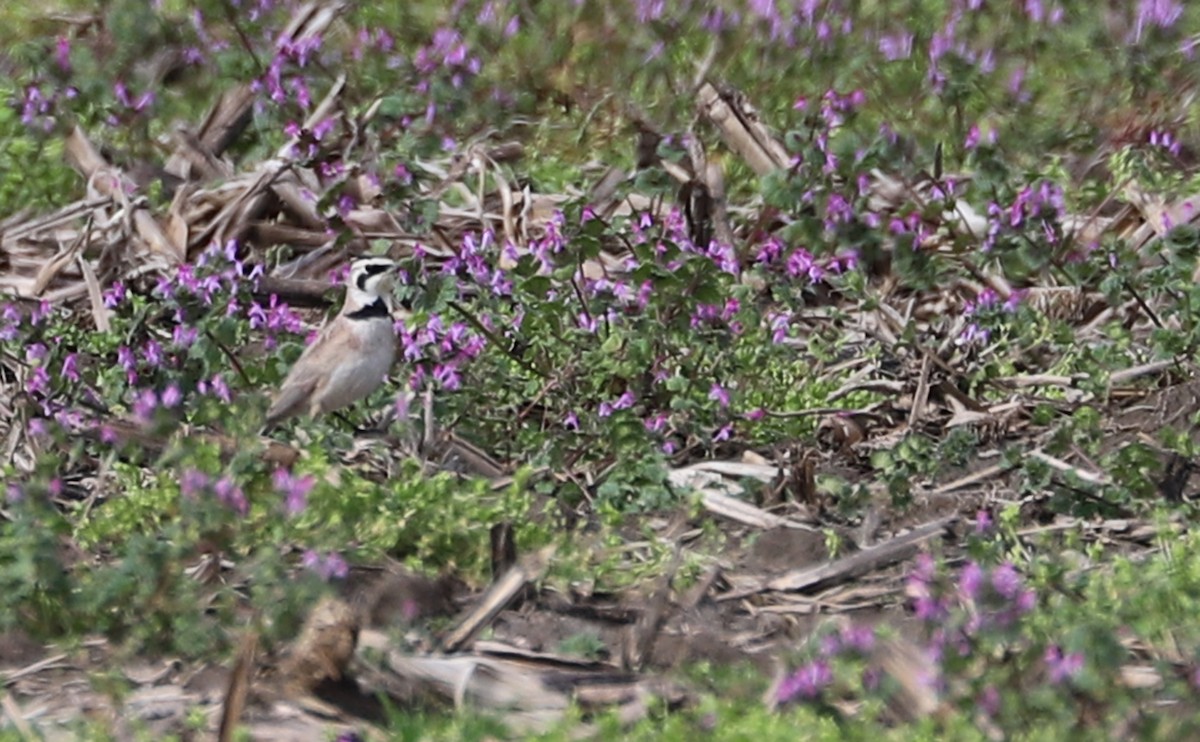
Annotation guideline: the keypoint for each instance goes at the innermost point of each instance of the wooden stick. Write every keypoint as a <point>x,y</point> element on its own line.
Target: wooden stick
<point>840,570</point>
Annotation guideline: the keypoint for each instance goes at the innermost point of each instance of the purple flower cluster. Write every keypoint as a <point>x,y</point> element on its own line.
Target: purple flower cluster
<point>217,272</point>
<point>1060,666</point>
<point>718,315</point>
<point>38,104</point>
<point>821,21</point>
<point>477,261</point>
<point>438,352</point>
<point>1151,14</point>
<point>799,263</point>
<point>447,51</point>
<point>293,489</point>
<point>946,41</point>
<point>806,683</point>
<point>961,613</point>
<point>282,81</point>
<point>195,484</point>
<point>366,39</point>
<point>1163,139</point>
<point>1038,208</point>
<point>10,322</point>
<point>810,680</point>
<point>128,101</point>
<point>896,46</point>
<point>623,402</point>
<point>493,14</point>
<point>982,600</point>
<point>986,303</point>
<point>277,317</point>
<point>327,566</point>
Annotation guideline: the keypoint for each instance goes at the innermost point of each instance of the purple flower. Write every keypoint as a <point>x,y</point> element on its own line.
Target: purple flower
<point>183,336</point>
<point>1006,581</point>
<point>972,140</point>
<point>326,566</point>
<point>923,568</point>
<point>1025,602</point>
<point>275,317</point>
<point>38,383</point>
<point>1155,13</point>
<point>1165,140</point>
<point>62,53</point>
<point>942,41</point>
<point>970,580</point>
<point>401,405</point>
<point>800,263</point>
<point>649,10</point>
<point>831,645</point>
<point>152,352</point>
<point>928,608</point>
<point>724,433</point>
<point>780,323</point>
<point>973,334</point>
<point>770,251</point>
<point>193,482</point>
<point>447,376</point>
<point>805,683</point>
<point>144,405</point>
<point>896,46</point>
<point>221,389</point>
<point>625,401</point>
<point>294,490</point>
<point>656,423</point>
<point>230,494</point>
<point>1015,81</point>
<point>171,396</point>
<point>705,313</point>
<point>861,639</point>
<point>12,320</point>
<point>123,97</point>
<point>1062,667</point>
<point>719,394</point>
<point>571,421</point>
<point>37,427</point>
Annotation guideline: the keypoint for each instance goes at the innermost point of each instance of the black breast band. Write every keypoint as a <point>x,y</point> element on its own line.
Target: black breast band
<point>377,308</point>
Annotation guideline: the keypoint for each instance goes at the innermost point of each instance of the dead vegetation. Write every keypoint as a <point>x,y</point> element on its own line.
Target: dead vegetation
<point>774,576</point>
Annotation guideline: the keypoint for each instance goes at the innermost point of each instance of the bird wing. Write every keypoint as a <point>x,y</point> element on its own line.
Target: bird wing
<point>290,401</point>
<point>335,345</point>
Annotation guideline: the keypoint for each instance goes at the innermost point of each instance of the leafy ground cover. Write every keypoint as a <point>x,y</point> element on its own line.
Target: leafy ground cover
<point>772,366</point>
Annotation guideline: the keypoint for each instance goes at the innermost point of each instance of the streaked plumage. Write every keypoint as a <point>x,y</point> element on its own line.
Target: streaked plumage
<point>352,353</point>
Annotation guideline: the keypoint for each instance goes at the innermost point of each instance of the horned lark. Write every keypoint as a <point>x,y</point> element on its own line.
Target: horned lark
<point>352,353</point>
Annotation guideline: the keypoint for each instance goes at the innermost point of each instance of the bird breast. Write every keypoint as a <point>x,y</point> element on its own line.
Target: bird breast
<point>359,375</point>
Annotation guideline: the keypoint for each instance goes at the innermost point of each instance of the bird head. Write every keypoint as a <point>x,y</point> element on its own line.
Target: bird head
<point>370,280</point>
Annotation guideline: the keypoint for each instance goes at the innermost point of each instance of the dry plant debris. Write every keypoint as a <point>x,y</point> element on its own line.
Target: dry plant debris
<point>748,603</point>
